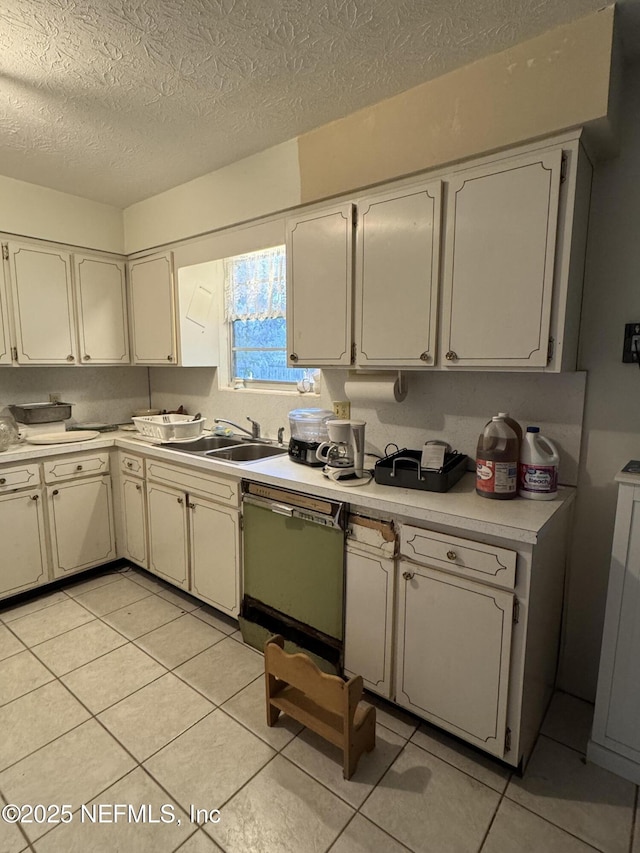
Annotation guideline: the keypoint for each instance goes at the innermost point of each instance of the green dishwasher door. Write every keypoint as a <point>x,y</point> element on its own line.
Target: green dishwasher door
<point>295,566</point>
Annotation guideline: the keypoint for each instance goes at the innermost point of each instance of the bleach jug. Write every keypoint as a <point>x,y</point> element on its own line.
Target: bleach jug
<point>497,461</point>
<point>538,468</point>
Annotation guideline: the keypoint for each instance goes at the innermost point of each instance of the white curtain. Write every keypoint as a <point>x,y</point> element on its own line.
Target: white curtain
<point>255,285</point>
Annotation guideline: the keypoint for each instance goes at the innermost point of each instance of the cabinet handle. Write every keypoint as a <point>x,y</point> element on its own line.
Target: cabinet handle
<point>451,555</point>
<point>451,355</point>
<point>191,506</point>
<point>70,358</point>
<point>180,500</point>
<point>424,356</point>
<point>138,487</point>
<point>78,467</point>
<point>3,480</point>
<point>34,497</point>
<point>408,575</point>
<point>129,463</point>
<point>55,492</point>
<point>169,358</point>
<point>87,357</point>
<point>293,356</point>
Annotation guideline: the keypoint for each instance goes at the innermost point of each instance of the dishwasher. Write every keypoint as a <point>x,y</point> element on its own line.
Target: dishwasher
<point>293,572</point>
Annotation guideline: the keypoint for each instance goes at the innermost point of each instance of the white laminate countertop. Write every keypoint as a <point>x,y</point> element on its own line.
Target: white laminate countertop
<point>519,520</point>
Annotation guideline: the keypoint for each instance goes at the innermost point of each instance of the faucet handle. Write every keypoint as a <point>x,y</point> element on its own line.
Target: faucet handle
<point>280,435</point>
<point>255,428</point>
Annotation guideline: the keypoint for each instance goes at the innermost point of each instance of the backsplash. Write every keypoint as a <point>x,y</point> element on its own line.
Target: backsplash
<point>450,406</point>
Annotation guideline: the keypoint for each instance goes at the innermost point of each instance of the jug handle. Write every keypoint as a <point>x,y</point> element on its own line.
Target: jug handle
<point>320,456</point>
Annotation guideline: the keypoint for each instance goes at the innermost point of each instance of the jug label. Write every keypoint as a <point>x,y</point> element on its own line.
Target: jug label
<point>542,479</point>
<point>498,478</point>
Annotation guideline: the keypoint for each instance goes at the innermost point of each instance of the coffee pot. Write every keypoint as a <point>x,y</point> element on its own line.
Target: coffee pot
<point>343,454</point>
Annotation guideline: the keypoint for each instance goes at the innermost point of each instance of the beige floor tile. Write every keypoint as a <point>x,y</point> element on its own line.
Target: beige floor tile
<point>177,641</point>
<point>362,836</point>
<point>210,762</point>
<point>281,810</point>
<point>36,719</point>
<point>143,616</point>
<point>222,670</point>
<point>95,582</point>
<point>9,643</point>
<point>431,806</point>
<point>72,769</point>
<point>21,674</point>
<point>16,611</point>
<point>199,843</point>
<point>582,798</point>
<point>112,596</point>
<point>144,579</point>
<point>249,708</point>
<point>213,617</point>
<point>569,720</point>
<point>323,761</point>
<point>139,791</point>
<point>50,622</point>
<point>79,646</point>
<point>151,717</point>
<point>399,721</point>
<point>11,839</point>
<point>516,829</point>
<point>107,680</point>
<point>482,767</point>
<point>180,599</point>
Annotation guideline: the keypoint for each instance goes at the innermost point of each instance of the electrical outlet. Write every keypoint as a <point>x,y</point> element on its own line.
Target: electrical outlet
<point>631,348</point>
<point>54,398</point>
<point>342,409</point>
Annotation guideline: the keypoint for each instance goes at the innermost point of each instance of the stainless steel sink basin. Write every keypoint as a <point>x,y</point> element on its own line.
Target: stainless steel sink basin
<point>245,453</point>
<point>201,445</point>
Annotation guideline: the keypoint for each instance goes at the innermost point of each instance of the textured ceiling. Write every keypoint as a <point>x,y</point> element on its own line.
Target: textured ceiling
<point>117,100</point>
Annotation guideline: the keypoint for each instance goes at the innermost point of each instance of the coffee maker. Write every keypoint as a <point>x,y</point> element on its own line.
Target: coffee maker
<point>343,454</point>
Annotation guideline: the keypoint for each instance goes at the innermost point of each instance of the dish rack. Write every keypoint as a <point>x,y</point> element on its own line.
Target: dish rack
<point>403,469</point>
<point>169,427</point>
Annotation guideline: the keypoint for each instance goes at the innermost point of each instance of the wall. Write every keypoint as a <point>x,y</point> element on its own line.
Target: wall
<point>612,408</point>
<point>28,210</point>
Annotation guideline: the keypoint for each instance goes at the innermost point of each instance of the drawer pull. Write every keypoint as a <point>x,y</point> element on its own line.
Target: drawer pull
<point>129,463</point>
<point>55,492</point>
<point>451,555</point>
<point>451,355</point>
<point>138,487</point>
<point>180,500</point>
<point>34,497</point>
<point>424,356</point>
<point>191,506</point>
<point>3,480</point>
<point>78,467</point>
<point>87,357</point>
<point>70,357</point>
<point>408,575</point>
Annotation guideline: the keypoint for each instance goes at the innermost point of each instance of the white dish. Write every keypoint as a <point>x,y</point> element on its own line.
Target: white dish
<point>63,437</point>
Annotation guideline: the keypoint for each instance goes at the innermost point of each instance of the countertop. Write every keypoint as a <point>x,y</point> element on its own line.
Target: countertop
<point>519,520</point>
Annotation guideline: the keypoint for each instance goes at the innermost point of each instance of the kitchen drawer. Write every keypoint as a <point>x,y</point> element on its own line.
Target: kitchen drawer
<point>78,465</point>
<point>20,476</point>
<point>463,557</point>
<point>131,465</point>
<point>222,489</point>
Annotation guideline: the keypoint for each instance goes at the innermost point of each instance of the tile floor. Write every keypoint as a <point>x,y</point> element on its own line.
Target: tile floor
<point>119,690</point>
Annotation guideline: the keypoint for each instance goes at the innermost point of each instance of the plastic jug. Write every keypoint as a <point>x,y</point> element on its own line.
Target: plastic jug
<point>497,461</point>
<point>538,468</point>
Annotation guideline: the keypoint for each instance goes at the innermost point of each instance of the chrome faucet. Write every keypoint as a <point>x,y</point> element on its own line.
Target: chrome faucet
<point>254,432</point>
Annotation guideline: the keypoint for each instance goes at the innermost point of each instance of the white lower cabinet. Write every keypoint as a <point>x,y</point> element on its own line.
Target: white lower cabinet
<point>453,653</point>
<point>134,520</point>
<point>194,533</point>
<point>23,552</point>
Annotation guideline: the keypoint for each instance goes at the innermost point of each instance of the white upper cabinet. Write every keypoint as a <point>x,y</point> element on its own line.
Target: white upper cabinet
<point>397,266</point>
<point>499,263</point>
<point>101,302</point>
<point>5,334</point>
<point>153,325</point>
<point>319,287</point>
<point>42,292</point>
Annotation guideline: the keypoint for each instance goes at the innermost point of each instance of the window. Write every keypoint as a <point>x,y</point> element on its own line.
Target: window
<point>255,313</point>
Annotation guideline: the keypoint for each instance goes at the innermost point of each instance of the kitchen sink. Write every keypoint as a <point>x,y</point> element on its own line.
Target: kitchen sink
<point>245,453</point>
<point>202,445</point>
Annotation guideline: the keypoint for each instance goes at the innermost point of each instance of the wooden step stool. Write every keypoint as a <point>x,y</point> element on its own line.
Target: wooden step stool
<point>323,703</point>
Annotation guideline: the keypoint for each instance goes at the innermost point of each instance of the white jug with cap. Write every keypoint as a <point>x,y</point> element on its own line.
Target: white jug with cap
<point>538,468</point>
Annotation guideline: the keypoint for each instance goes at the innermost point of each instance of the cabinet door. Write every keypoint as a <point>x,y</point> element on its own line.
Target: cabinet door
<point>168,535</point>
<point>43,305</point>
<point>153,310</point>
<point>368,631</point>
<point>453,652</point>
<point>81,524</point>
<point>5,336</point>
<point>397,265</point>
<point>134,520</point>
<point>23,553</point>
<point>499,263</point>
<point>215,554</point>
<point>101,302</point>
<point>319,287</point>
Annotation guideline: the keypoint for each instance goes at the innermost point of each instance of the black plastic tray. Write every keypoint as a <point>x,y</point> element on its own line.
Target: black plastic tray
<point>403,469</point>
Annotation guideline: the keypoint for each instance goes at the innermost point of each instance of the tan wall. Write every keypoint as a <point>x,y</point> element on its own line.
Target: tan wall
<point>28,210</point>
<point>539,87</point>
